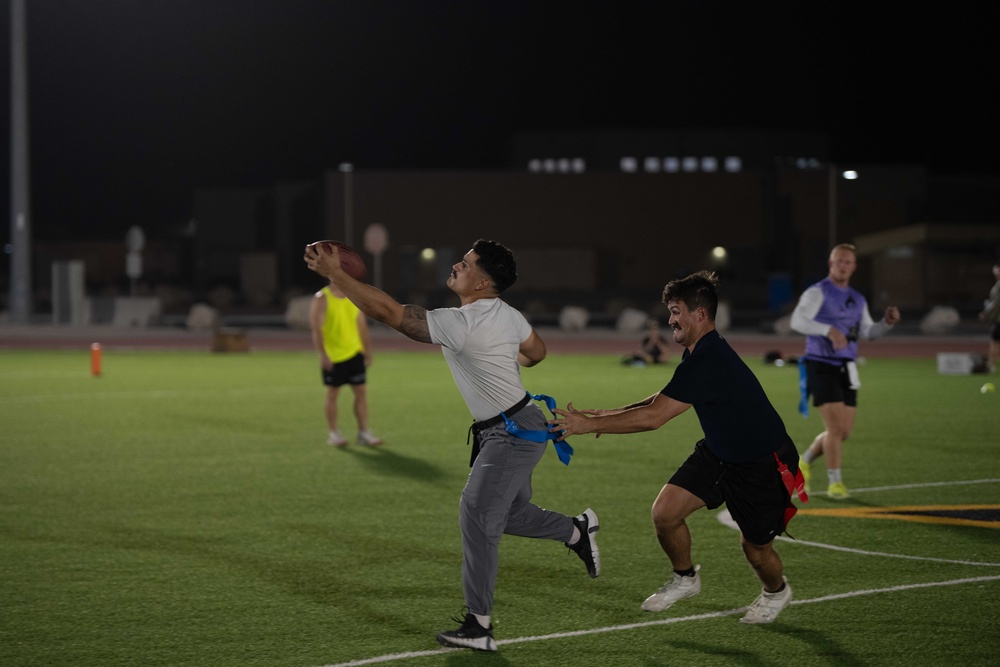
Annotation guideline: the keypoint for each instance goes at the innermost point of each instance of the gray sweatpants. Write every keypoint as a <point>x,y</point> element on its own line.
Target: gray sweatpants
<point>497,501</point>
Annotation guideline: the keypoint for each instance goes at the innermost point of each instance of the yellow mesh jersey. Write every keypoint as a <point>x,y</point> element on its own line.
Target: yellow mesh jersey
<point>341,339</point>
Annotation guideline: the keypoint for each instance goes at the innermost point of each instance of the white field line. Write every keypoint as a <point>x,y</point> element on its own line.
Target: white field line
<point>666,621</point>
<point>924,485</point>
<point>724,518</point>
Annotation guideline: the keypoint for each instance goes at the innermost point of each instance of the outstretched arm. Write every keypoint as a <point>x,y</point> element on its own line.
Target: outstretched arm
<point>373,302</point>
<point>647,415</point>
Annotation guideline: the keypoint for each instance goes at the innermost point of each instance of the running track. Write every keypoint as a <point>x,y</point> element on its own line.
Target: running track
<point>56,337</point>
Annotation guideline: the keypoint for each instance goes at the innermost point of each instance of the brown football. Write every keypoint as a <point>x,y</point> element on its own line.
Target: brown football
<point>350,260</point>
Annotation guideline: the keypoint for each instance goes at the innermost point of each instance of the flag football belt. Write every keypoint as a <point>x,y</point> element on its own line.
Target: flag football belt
<point>795,485</point>
<point>803,389</point>
<point>563,449</point>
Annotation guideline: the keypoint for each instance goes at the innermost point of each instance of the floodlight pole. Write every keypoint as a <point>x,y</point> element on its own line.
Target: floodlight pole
<point>832,204</point>
<point>348,170</point>
<point>20,215</point>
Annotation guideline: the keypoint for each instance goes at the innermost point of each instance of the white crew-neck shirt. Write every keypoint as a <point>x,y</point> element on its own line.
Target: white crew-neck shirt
<point>480,341</point>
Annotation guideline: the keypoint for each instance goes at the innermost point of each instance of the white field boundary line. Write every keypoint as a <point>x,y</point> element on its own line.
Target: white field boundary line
<point>725,519</point>
<point>666,621</point>
<point>924,485</point>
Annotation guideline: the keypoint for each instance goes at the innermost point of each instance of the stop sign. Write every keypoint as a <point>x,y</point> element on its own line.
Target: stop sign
<point>376,239</point>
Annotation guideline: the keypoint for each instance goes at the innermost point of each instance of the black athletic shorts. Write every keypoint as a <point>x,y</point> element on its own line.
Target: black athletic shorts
<point>351,371</point>
<point>830,384</point>
<point>753,492</point>
<point>995,331</point>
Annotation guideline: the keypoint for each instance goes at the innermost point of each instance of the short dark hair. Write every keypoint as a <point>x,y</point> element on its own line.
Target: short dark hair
<point>498,262</point>
<point>695,291</point>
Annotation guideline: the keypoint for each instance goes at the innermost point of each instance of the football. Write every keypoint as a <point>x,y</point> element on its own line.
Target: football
<point>350,260</point>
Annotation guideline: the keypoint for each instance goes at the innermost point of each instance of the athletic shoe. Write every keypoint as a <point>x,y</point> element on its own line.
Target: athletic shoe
<point>674,590</point>
<point>586,546</point>
<point>469,635</point>
<point>837,491</point>
<point>767,606</point>
<point>806,470</point>
<point>336,439</point>
<point>366,438</point>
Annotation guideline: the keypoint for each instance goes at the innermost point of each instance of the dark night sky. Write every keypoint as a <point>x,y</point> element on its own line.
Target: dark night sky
<point>135,103</point>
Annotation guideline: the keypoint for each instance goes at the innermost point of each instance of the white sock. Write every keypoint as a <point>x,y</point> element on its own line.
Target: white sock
<point>808,457</point>
<point>833,475</point>
<point>483,620</point>
<point>575,537</point>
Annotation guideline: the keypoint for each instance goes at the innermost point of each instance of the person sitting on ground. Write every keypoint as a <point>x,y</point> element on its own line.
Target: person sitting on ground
<point>652,349</point>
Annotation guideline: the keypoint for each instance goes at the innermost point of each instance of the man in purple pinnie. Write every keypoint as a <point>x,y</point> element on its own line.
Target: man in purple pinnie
<point>834,316</point>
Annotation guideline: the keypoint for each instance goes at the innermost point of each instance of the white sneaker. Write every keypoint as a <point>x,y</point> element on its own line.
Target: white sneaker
<point>767,606</point>
<point>336,439</point>
<point>367,438</point>
<point>676,589</point>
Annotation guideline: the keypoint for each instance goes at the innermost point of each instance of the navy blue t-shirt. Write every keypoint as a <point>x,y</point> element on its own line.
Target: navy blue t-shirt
<point>739,421</point>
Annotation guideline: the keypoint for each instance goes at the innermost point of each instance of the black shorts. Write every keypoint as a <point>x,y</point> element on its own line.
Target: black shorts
<point>830,384</point>
<point>351,371</point>
<point>753,492</point>
<point>995,331</point>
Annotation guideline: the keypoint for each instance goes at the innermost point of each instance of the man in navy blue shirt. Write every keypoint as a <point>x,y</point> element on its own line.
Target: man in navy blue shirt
<point>746,458</point>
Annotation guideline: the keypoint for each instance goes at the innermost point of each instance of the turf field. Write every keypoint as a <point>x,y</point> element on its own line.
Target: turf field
<point>184,509</point>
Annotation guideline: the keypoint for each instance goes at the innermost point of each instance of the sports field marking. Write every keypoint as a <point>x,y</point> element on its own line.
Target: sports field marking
<point>725,519</point>
<point>666,621</point>
<point>924,485</point>
<point>946,515</point>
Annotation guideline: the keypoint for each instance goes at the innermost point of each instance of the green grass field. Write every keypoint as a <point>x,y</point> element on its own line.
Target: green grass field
<point>184,509</point>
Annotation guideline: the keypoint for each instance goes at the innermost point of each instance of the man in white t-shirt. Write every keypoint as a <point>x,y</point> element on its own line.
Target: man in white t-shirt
<point>485,341</point>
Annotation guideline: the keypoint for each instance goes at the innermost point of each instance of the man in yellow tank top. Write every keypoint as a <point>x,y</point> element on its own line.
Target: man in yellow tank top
<point>340,335</point>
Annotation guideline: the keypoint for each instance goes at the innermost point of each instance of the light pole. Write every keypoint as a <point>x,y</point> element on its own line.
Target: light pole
<point>20,204</point>
<point>347,169</point>
<point>832,205</point>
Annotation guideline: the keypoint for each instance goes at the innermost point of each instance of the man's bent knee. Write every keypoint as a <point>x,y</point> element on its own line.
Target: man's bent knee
<point>673,506</point>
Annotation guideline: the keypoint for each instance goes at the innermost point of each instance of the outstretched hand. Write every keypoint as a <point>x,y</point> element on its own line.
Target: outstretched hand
<point>571,422</point>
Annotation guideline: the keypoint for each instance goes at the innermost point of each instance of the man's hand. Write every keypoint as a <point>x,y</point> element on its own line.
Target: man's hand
<point>892,315</point>
<point>326,265</point>
<point>837,339</point>
<point>573,422</point>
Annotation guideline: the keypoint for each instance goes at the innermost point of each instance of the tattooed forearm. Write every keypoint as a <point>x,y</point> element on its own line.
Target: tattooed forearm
<point>414,323</point>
